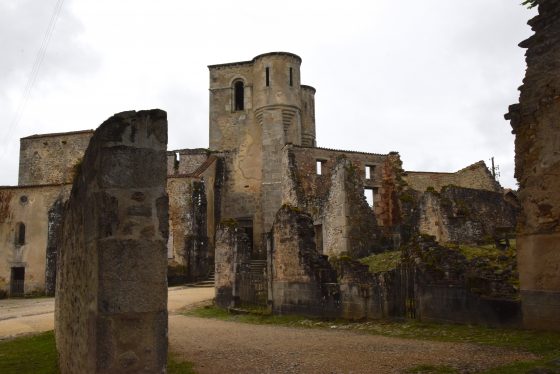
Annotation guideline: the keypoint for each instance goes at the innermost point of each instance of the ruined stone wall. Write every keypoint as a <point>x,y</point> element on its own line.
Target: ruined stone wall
<point>111,287</point>
<point>335,198</point>
<point>464,215</point>
<point>449,288</point>
<point>189,260</point>
<point>51,158</point>
<point>231,255</point>
<point>476,176</point>
<point>30,206</point>
<point>303,281</point>
<point>536,125</point>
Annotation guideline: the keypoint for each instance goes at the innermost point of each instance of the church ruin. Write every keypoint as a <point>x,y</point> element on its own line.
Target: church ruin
<point>233,206</point>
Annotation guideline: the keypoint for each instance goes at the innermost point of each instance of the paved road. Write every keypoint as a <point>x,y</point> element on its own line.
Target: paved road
<point>25,316</point>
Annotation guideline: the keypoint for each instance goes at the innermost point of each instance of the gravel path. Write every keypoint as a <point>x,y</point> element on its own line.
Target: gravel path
<point>229,347</point>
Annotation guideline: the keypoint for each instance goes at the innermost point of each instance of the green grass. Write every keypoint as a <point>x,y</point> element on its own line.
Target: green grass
<point>37,355</point>
<point>383,261</point>
<point>546,345</point>
<point>431,369</point>
<point>31,354</point>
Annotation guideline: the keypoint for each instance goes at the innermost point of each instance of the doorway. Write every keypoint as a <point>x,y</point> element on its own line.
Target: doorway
<point>17,281</point>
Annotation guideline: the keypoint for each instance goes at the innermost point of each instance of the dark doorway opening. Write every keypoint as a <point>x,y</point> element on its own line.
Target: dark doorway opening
<point>16,281</point>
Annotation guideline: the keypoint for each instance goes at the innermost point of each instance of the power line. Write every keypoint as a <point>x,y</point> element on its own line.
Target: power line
<point>32,79</point>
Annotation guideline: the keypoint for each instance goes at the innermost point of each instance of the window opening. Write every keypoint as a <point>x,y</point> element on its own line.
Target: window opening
<point>320,167</point>
<point>291,78</point>
<point>20,234</point>
<point>267,73</point>
<point>239,95</point>
<point>370,196</point>
<point>369,171</point>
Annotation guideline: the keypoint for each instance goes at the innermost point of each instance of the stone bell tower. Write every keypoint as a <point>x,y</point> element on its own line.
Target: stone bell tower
<point>256,108</point>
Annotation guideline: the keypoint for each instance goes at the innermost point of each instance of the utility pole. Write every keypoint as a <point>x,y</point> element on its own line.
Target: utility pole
<point>495,169</point>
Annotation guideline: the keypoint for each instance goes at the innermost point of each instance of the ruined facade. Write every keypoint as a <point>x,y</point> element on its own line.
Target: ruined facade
<point>262,156</point>
<point>536,124</point>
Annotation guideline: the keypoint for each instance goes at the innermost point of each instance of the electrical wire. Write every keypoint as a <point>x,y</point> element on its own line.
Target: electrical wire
<point>32,79</point>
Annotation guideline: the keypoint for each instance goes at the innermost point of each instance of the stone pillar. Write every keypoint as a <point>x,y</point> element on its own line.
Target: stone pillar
<point>536,125</point>
<point>111,286</point>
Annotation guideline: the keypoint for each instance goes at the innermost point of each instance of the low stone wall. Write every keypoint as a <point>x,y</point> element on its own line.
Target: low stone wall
<point>111,287</point>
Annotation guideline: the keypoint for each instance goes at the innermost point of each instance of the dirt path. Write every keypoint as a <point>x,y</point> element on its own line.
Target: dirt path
<point>227,347</point>
<point>27,316</point>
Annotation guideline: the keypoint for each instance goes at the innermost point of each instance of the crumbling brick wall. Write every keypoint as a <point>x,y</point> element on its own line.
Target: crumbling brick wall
<point>111,287</point>
<point>536,125</point>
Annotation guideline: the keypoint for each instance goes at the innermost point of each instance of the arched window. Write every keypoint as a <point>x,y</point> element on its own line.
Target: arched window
<point>20,233</point>
<point>238,95</point>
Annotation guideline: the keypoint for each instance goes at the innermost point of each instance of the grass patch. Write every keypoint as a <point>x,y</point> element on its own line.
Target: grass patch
<point>382,261</point>
<point>30,354</point>
<point>544,344</point>
<point>431,369</point>
<point>37,355</point>
<point>176,366</point>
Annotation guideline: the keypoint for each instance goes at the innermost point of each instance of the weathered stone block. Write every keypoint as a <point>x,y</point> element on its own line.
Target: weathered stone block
<point>111,289</point>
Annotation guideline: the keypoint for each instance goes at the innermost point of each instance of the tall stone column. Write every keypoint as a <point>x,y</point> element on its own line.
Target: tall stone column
<point>111,284</point>
<point>536,125</point>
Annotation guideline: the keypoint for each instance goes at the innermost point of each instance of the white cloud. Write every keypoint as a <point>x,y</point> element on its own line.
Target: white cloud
<point>429,79</point>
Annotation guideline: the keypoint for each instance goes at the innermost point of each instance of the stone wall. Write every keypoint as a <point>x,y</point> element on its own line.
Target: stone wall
<point>536,125</point>
<point>51,158</point>
<point>30,206</point>
<point>189,252</point>
<point>335,197</point>
<point>303,281</point>
<point>111,287</point>
<point>232,253</point>
<point>463,215</point>
<point>476,176</point>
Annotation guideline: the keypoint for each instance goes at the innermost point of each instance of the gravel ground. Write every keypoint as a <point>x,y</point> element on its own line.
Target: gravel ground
<point>228,347</point>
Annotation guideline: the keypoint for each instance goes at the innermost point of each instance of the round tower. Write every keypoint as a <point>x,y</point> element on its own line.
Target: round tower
<point>308,116</point>
<point>276,80</point>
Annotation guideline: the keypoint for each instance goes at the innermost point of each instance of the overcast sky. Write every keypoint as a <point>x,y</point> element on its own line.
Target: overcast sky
<point>430,79</point>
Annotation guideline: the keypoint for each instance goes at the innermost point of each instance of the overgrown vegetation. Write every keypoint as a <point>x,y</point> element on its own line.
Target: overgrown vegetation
<point>382,261</point>
<point>546,345</point>
<point>37,355</point>
<point>530,3</point>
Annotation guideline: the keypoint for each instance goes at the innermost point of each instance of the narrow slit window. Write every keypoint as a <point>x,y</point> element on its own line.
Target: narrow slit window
<point>320,167</point>
<point>370,169</point>
<point>239,95</point>
<point>20,234</point>
<point>267,74</point>
<point>370,196</point>
<point>291,77</point>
